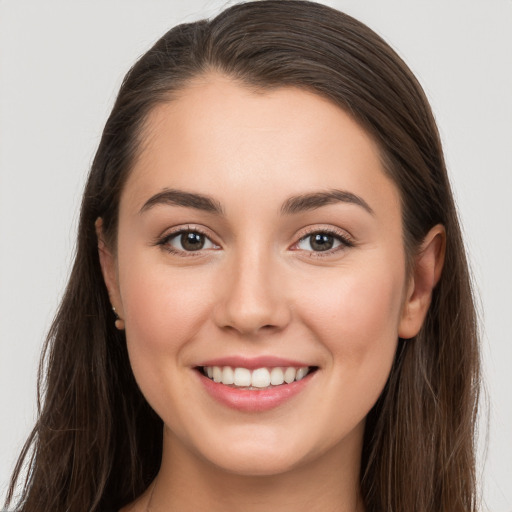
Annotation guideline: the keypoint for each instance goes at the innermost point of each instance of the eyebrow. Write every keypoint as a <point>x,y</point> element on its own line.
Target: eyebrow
<point>312,201</point>
<point>180,198</point>
<point>293,205</point>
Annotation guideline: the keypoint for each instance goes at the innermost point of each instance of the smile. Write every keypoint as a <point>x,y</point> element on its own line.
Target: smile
<point>253,387</point>
<point>259,378</point>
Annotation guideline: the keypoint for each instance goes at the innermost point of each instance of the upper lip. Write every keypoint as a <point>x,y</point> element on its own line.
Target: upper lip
<point>252,363</point>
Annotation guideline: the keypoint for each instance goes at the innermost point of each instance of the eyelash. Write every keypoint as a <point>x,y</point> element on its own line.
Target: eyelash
<point>345,241</point>
<point>164,241</point>
<point>342,237</point>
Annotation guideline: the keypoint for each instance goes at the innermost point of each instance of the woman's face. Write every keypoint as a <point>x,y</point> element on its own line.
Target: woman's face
<point>258,234</point>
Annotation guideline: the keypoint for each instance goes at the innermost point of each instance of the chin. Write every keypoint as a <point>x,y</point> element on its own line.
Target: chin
<point>266,454</point>
<point>258,464</point>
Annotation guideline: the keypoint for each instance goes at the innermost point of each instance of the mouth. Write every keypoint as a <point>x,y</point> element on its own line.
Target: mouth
<point>257,389</point>
<point>255,379</point>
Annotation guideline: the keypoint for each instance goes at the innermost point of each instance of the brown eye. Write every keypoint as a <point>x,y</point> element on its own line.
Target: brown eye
<point>192,241</point>
<point>323,241</point>
<point>188,241</point>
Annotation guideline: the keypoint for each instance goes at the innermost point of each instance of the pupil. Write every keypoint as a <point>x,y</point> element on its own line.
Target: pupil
<point>322,242</point>
<point>192,241</point>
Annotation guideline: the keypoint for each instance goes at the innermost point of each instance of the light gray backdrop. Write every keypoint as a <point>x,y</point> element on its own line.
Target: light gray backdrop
<point>61,63</point>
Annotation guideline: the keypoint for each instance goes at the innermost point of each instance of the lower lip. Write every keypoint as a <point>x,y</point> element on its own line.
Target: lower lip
<point>254,400</point>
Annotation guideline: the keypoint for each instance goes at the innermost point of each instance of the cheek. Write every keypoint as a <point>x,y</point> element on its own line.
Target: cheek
<point>164,310</point>
<point>361,302</point>
<point>162,305</point>
<point>356,321</point>
<point>356,318</point>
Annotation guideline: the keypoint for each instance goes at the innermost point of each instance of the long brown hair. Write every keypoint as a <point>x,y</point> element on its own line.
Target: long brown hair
<point>97,444</point>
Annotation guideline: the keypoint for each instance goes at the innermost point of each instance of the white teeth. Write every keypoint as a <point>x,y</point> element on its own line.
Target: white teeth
<point>258,378</point>
<point>217,374</point>
<point>227,375</point>
<point>276,376</point>
<point>301,373</point>
<point>242,377</point>
<point>289,375</point>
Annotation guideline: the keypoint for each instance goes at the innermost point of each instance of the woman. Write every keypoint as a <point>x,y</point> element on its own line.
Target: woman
<point>270,303</point>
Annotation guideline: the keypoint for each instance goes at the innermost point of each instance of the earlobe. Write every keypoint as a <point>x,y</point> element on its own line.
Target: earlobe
<point>426,272</point>
<point>109,270</point>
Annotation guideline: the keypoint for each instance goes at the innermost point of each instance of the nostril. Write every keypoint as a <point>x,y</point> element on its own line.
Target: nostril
<point>250,307</point>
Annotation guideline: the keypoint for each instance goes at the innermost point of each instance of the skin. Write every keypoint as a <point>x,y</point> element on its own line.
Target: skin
<point>260,289</point>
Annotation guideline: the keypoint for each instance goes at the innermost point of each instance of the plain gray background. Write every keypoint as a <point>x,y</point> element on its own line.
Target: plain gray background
<point>61,63</point>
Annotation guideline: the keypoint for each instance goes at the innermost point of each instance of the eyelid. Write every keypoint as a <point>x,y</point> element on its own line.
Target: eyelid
<point>343,236</point>
<point>346,240</point>
<point>162,240</point>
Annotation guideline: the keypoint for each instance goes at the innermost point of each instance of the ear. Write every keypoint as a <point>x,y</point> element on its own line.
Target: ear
<point>428,265</point>
<point>108,269</point>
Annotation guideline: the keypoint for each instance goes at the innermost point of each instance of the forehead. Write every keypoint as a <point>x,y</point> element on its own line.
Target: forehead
<point>220,137</point>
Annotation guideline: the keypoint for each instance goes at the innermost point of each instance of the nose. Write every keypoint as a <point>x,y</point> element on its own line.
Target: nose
<point>253,299</point>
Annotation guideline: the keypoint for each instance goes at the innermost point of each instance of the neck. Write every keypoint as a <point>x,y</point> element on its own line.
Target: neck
<point>187,481</point>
